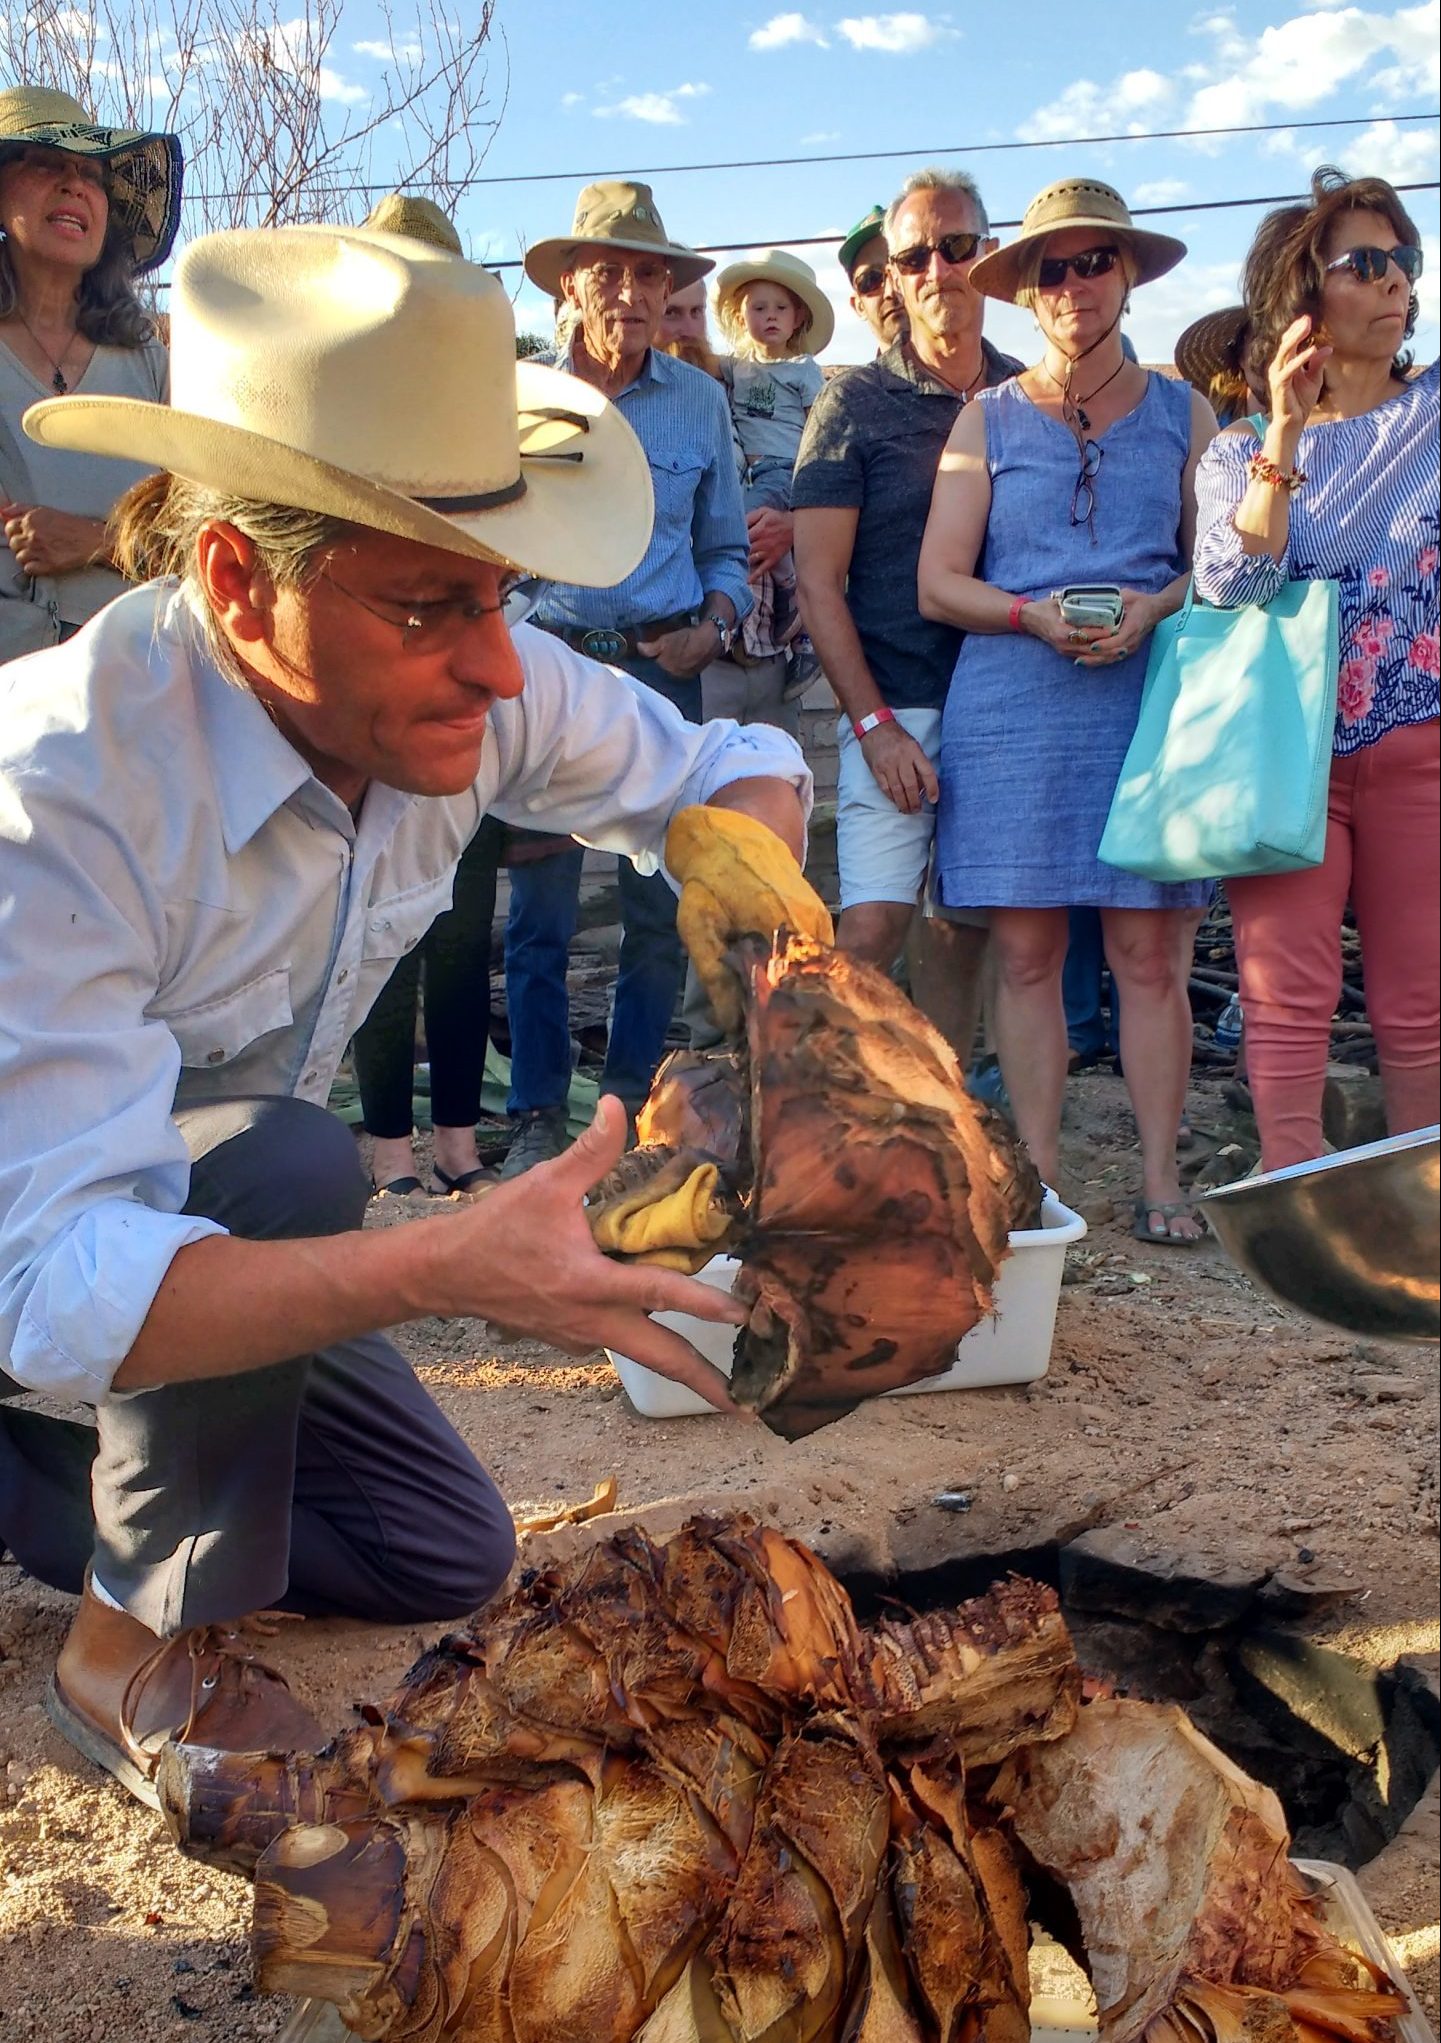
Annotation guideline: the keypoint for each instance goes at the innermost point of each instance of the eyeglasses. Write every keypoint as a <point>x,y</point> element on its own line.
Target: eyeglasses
<point>1091,262</point>
<point>1083,496</point>
<point>951,248</point>
<point>1369,265</point>
<point>867,282</point>
<point>434,627</point>
<point>647,274</point>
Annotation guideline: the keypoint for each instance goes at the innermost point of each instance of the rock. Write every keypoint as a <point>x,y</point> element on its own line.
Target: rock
<point>1212,1372</point>
<point>1388,1494</point>
<point>1352,1108</point>
<point>1106,1571</point>
<point>1382,1389</point>
<point>1231,1161</point>
<point>1010,1482</point>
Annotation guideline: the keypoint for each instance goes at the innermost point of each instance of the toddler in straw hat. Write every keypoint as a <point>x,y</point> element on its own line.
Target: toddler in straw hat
<point>776,317</point>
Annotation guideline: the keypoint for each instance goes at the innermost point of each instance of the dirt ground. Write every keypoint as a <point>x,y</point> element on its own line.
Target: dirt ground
<point>1181,1410</point>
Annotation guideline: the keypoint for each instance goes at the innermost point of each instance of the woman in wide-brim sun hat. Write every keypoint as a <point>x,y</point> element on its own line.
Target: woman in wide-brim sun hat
<point>84,209</point>
<point>1079,470</point>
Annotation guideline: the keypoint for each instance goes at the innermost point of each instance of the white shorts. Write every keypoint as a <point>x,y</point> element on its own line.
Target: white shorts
<point>882,854</point>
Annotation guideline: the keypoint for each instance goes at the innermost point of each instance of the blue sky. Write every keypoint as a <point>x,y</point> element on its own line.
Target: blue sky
<point>631,90</point>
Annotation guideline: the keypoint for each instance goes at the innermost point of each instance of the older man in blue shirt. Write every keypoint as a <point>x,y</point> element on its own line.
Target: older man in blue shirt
<point>665,622</point>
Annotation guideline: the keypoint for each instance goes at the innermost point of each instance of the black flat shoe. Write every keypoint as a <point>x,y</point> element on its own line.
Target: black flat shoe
<point>468,1181</point>
<point>397,1188</point>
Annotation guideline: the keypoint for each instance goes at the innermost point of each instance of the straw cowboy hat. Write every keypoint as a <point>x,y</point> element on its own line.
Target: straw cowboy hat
<point>1211,347</point>
<point>143,171</point>
<point>421,219</point>
<point>614,215</point>
<point>373,378</point>
<point>777,267</point>
<point>1076,202</point>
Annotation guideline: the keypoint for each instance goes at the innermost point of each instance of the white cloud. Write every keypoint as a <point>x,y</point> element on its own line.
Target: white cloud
<point>386,53</point>
<point>1297,64</point>
<point>1129,103</point>
<point>331,85</point>
<point>572,99</point>
<point>895,34</point>
<point>660,109</point>
<point>782,30</point>
<point>818,141</point>
<point>1161,191</point>
<point>1400,155</point>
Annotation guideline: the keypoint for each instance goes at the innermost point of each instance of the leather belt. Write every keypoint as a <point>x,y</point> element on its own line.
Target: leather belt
<point>614,641</point>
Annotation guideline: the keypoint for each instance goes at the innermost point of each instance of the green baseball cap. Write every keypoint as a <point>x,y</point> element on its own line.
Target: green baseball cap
<point>864,230</point>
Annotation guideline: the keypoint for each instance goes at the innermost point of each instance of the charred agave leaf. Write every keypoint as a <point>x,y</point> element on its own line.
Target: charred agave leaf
<point>1178,1863</point>
<point>884,1195</point>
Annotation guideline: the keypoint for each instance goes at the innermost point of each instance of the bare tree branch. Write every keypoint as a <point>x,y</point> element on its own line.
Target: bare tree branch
<point>273,126</point>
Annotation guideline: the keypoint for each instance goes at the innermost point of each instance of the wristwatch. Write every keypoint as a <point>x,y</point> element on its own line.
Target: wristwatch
<point>726,633</point>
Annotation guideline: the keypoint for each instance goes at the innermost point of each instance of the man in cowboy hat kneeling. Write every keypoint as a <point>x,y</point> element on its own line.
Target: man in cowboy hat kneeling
<point>227,807</point>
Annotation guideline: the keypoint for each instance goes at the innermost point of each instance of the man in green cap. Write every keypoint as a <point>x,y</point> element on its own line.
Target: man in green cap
<point>873,295</point>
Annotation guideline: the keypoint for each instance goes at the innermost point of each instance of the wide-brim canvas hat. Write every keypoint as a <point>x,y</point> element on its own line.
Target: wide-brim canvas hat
<point>143,171</point>
<point>614,214</point>
<point>422,219</point>
<point>372,378</point>
<point>1211,347</point>
<point>1075,202</point>
<point>777,266</point>
<point>865,229</point>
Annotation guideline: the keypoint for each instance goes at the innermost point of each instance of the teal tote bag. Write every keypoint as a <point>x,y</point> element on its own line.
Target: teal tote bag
<point>1230,764</point>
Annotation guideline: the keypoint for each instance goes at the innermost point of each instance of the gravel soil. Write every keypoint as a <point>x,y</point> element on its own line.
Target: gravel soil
<point>1181,1410</point>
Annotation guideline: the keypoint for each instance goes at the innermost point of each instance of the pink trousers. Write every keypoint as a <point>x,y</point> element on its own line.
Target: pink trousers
<point>1382,856</point>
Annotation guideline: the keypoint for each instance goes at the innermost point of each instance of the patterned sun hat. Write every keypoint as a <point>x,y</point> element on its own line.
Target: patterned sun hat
<point>143,171</point>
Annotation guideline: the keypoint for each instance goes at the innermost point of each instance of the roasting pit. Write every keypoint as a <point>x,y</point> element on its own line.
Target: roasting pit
<point>1348,1748</point>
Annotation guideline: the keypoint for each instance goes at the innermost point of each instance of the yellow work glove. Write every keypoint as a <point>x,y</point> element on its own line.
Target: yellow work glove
<point>680,1228</point>
<point>737,879</point>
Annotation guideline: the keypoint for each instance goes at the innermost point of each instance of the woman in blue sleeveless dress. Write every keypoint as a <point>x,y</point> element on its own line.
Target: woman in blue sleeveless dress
<point>1080,470</point>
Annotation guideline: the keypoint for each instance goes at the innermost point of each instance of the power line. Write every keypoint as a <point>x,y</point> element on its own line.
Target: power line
<point>1137,213</point>
<point>830,240</point>
<point>915,155</point>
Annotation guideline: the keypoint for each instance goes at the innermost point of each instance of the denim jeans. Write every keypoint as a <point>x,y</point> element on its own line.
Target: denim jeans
<point>1081,981</point>
<point>544,900</point>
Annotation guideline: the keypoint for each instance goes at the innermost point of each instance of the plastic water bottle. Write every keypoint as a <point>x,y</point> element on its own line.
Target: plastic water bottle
<point>1228,1024</point>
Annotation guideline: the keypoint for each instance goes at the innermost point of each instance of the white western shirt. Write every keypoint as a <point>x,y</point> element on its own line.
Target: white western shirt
<point>186,913</point>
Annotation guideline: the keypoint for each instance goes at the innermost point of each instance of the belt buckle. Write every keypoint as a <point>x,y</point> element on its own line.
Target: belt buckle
<point>602,643</point>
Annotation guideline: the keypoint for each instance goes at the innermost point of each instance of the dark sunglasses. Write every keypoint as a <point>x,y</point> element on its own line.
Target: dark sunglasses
<point>951,248</point>
<point>1369,265</point>
<point>865,283</point>
<point>1091,262</point>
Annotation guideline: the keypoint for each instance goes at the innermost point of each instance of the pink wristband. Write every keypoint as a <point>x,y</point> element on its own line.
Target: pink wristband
<point>1018,604</point>
<point>865,724</point>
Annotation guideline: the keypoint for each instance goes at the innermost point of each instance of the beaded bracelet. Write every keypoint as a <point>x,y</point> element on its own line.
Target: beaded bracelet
<point>1263,469</point>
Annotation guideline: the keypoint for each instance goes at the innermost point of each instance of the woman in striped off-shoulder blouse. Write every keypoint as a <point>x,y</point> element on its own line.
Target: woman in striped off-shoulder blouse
<point>1342,485</point>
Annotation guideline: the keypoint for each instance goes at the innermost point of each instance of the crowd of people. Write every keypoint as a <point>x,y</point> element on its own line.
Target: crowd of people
<point>304,647</point>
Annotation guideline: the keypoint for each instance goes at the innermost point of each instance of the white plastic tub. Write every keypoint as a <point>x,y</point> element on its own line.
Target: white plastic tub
<point>1012,1346</point>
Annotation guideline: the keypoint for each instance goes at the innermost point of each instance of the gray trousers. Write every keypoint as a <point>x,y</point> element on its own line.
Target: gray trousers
<point>329,1485</point>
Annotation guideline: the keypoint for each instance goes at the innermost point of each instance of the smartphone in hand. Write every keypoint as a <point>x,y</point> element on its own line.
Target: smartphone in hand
<point>1092,603</point>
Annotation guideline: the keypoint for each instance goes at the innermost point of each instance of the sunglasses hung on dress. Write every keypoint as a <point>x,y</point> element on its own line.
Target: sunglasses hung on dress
<point>1091,262</point>
<point>867,282</point>
<point>1369,265</point>
<point>951,248</point>
<point>1083,496</point>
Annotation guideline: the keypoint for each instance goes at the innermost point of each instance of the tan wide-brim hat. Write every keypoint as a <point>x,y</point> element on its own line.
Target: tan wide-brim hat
<point>372,378</point>
<point>1211,347</point>
<point>143,171</point>
<point>777,266</point>
<point>614,214</point>
<point>1075,202</point>
<point>421,219</point>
